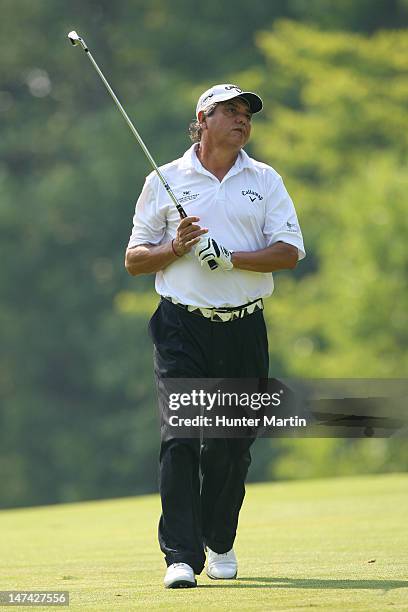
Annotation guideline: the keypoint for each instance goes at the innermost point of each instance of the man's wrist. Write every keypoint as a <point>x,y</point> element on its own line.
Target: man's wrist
<point>173,248</point>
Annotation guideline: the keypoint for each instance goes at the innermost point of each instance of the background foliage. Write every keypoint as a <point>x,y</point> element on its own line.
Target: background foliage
<point>78,415</point>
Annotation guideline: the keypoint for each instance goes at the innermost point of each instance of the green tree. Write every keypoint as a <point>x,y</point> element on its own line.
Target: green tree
<point>335,127</point>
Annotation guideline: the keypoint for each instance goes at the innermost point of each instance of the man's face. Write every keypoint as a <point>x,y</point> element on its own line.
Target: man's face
<point>229,124</point>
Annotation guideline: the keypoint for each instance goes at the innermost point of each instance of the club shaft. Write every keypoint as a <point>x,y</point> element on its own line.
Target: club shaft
<point>139,139</point>
<point>75,39</point>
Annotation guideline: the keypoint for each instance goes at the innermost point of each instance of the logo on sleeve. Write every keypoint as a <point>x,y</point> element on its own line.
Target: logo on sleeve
<point>253,195</point>
<point>292,227</point>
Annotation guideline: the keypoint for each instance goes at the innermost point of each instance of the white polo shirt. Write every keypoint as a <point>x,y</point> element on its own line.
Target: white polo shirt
<point>248,210</point>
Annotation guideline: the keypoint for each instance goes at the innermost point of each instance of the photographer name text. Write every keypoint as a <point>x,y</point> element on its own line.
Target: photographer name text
<point>223,421</point>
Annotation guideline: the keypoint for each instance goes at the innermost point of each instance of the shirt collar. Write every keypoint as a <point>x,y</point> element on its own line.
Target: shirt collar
<point>190,161</point>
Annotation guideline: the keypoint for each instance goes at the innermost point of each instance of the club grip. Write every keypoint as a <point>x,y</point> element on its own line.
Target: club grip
<point>212,264</point>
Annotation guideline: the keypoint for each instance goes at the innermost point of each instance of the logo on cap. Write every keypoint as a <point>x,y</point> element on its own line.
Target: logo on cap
<point>228,87</point>
<point>207,98</point>
<point>226,91</point>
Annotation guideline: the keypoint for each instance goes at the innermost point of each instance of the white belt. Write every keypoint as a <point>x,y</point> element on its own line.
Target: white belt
<point>222,315</point>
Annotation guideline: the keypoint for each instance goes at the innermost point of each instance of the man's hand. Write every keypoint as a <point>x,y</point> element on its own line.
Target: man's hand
<point>187,235</point>
<point>208,249</point>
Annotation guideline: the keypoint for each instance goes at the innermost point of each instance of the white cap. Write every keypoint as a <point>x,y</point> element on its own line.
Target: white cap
<point>227,91</point>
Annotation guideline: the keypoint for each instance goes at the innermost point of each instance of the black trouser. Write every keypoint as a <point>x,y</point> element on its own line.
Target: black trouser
<point>189,346</point>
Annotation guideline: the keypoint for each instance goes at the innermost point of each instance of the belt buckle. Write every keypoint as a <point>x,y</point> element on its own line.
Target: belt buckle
<point>221,314</point>
<point>212,315</point>
<point>220,320</point>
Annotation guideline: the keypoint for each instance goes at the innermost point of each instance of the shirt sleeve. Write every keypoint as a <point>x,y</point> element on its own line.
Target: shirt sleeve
<point>281,222</point>
<point>149,223</point>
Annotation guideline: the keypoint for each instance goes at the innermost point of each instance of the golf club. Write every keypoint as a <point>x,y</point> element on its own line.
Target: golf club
<point>77,40</point>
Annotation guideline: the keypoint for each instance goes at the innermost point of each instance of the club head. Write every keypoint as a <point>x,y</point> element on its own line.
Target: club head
<point>77,40</point>
<point>73,37</point>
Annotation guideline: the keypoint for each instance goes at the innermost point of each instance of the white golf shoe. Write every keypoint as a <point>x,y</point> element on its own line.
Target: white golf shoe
<point>178,576</point>
<point>221,566</point>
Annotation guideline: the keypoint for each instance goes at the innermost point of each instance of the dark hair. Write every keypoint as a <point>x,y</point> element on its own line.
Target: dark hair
<point>194,129</point>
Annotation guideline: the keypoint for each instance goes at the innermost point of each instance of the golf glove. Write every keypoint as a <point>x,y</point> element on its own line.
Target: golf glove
<point>208,249</point>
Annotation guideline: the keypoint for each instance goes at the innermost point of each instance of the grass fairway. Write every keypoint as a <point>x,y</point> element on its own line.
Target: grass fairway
<point>301,545</point>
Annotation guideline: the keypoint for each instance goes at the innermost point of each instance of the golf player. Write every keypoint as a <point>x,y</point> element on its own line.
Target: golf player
<point>209,322</point>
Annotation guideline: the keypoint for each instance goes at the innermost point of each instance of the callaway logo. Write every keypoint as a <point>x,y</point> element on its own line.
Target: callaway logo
<point>228,87</point>
<point>207,97</point>
<point>292,227</point>
<point>251,193</point>
<point>187,196</point>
